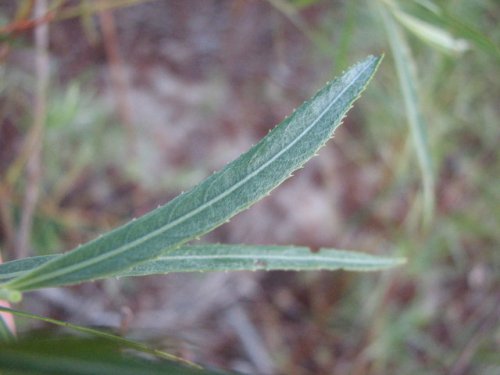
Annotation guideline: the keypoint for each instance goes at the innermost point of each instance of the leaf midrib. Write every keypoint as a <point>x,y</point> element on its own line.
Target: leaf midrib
<point>286,257</point>
<point>201,208</point>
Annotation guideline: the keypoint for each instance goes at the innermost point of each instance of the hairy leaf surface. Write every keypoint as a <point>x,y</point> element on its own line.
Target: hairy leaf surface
<point>217,257</point>
<point>215,200</point>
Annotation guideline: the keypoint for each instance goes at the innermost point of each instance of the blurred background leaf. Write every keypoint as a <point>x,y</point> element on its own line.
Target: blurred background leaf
<point>71,355</point>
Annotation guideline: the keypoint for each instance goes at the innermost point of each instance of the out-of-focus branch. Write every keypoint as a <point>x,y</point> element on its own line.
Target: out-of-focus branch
<point>56,13</point>
<point>34,164</point>
<point>6,220</point>
<point>118,76</point>
<point>98,6</point>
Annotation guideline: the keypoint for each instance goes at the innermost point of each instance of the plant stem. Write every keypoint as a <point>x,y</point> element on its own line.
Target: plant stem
<point>33,166</point>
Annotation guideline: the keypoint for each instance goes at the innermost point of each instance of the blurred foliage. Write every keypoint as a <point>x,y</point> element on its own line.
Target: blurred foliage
<point>43,354</point>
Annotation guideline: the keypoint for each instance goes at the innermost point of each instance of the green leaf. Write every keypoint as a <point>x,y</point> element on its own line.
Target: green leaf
<point>406,69</point>
<point>206,258</point>
<point>81,356</point>
<point>253,258</point>
<point>214,201</point>
<point>118,340</point>
<point>14,268</point>
<point>5,332</point>
<point>439,16</point>
<point>432,34</point>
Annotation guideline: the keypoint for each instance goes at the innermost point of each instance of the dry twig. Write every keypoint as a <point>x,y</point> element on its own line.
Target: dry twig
<point>34,165</point>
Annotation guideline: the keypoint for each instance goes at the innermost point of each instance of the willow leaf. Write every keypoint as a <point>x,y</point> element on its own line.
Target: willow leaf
<point>406,70</point>
<point>215,200</point>
<point>217,257</point>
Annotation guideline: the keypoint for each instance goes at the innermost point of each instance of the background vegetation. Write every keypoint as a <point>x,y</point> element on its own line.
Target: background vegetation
<point>131,102</point>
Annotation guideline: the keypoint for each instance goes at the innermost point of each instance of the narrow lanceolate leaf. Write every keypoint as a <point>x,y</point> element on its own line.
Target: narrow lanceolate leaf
<point>438,14</point>
<point>217,257</point>
<point>214,201</point>
<point>82,356</point>
<point>406,69</point>
<point>253,258</point>
<point>432,34</point>
<point>119,340</point>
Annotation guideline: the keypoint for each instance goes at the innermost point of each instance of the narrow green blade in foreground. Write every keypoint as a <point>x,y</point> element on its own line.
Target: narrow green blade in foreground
<point>101,334</point>
<point>406,69</point>
<point>82,356</point>
<point>217,257</point>
<point>5,333</point>
<point>215,200</point>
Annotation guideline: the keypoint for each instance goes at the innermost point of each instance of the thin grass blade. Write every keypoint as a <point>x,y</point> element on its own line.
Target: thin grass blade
<point>81,356</point>
<point>406,70</point>
<point>432,34</point>
<point>130,344</point>
<point>439,15</point>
